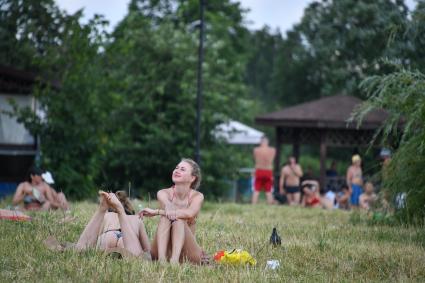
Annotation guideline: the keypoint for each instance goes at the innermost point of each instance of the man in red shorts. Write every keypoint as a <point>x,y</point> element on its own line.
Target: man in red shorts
<point>263,157</point>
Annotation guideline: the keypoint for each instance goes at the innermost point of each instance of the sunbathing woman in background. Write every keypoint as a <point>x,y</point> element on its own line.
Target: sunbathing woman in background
<point>311,197</point>
<point>113,227</point>
<point>179,206</point>
<point>34,193</point>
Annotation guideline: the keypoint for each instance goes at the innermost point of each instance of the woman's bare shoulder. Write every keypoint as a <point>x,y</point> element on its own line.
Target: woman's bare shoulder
<point>197,194</point>
<point>166,191</point>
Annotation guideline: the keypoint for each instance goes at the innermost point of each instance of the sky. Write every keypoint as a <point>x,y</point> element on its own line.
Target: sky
<point>282,14</point>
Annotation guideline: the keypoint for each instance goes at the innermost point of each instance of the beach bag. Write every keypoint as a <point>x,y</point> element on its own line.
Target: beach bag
<point>234,257</point>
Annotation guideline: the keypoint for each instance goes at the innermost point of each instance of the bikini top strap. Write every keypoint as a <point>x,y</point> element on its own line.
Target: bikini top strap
<point>173,188</point>
<point>188,198</point>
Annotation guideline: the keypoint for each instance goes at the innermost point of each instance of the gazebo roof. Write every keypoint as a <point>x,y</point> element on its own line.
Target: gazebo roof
<point>330,112</point>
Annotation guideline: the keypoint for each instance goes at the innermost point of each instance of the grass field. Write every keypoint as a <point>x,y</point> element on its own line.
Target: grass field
<point>317,246</point>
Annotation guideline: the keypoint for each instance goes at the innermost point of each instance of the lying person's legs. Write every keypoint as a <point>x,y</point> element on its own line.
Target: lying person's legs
<point>129,234</point>
<point>90,233</point>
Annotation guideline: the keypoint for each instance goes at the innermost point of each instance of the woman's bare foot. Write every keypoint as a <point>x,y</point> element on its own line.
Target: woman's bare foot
<point>103,203</point>
<point>114,203</point>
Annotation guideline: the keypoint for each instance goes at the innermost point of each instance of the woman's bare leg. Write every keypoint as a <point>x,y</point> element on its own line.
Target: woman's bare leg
<point>161,240</point>
<point>191,250</point>
<point>90,233</point>
<point>143,237</point>
<point>177,240</point>
<point>129,236</point>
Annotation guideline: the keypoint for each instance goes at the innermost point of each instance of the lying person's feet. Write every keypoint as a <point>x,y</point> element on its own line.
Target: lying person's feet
<point>113,202</point>
<point>103,201</point>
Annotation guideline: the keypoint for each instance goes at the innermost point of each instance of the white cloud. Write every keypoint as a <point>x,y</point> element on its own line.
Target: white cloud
<point>282,14</point>
<point>114,11</point>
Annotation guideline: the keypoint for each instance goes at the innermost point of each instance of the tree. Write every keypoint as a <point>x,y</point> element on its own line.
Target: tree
<point>152,62</point>
<point>264,48</point>
<point>336,45</point>
<point>27,30</point>
<point>401,93</point>
<point>63,50</point>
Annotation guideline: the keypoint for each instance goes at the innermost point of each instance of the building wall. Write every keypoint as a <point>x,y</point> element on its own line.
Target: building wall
<point>12,132</point>
<point>17,145</point>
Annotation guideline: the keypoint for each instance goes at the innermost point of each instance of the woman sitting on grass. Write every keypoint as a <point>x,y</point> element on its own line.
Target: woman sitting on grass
<point>179,206</point>
<point>311,197</point>
<point>113,227</point>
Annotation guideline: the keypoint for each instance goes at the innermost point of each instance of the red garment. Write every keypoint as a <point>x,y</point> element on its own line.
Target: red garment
<point>263,180</point>
<point>13,215</point>
<point>312,202</point>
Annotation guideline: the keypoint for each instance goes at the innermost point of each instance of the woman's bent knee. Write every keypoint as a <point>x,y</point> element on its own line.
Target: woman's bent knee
<point>178,222</point>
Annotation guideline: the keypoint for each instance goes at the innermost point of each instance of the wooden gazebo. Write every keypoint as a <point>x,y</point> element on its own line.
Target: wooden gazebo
<point>323,122</point>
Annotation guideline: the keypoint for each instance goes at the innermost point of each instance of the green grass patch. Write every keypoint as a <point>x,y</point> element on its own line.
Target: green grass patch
<point>317,246</point>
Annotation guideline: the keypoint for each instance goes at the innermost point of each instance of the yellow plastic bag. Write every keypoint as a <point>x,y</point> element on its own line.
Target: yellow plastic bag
<point>234,257</point>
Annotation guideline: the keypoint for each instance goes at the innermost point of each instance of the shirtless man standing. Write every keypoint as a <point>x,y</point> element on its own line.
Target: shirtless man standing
<point>35,194</point>
<point>355,179</point>
<point>263,157</point>
<point>289,181</point>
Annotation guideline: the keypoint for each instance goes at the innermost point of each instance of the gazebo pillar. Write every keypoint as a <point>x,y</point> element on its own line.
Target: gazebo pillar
<point>296,144</point>
<point>323,149</point>
<point>277,158</point>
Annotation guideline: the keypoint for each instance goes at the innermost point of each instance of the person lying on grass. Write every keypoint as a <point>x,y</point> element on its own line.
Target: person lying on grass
<point>113,227</point>
<point>179,206</point>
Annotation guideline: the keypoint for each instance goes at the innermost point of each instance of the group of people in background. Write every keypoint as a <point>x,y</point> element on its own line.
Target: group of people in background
<point>297,188</point>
